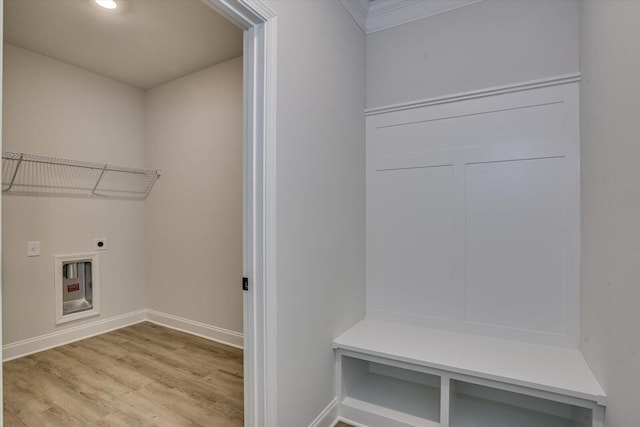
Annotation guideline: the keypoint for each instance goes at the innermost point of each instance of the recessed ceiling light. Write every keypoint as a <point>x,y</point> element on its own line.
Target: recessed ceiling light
<point>107,4</point>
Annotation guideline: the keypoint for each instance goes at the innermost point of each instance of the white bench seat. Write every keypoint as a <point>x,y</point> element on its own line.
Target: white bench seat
<point>556,374</point>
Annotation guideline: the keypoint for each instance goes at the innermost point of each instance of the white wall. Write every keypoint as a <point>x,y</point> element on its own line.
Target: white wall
<point>188,234</point>
<point>194,213</point>
<point>320,198</point>
<point>51,108</point>
<point>610,101</point>
<point>491,43</point>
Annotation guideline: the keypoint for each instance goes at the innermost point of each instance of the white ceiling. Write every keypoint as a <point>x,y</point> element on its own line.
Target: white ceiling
<point>142,42</point>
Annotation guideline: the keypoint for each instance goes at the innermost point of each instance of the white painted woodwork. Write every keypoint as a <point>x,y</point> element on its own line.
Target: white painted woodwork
<point>541,367</point>
<point>426,270</point>
<point>394,374</point>
<point>86,330</point>
<point>383,14</point>
<point>515,209</point>
<point>473,213</point>
<point>472,265</point>
<point>259,209</point>
<point>384,395</point>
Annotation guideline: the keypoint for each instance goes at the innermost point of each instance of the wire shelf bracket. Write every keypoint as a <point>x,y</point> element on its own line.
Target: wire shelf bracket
<point>27,174</point>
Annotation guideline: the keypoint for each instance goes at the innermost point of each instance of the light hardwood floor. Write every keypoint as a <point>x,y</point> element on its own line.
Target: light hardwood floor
<point>142,375</point>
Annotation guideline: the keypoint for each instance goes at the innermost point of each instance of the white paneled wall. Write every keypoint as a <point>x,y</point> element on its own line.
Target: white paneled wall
<point>515,237</point>
<point>413,213</point>
<point>473,213</point>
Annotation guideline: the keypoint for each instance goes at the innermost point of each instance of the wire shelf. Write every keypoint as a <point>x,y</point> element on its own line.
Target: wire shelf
<point>27,174</point>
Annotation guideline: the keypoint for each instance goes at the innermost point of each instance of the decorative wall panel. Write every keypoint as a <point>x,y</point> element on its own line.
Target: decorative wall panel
<point>473,214</point>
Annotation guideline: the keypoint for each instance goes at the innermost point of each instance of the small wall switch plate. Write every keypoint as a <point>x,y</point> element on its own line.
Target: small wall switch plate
<point>100,244</point>
<point>33,248</point>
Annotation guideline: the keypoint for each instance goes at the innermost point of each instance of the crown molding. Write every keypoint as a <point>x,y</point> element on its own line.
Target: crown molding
<point>358,10</point>
<point>378,15</point>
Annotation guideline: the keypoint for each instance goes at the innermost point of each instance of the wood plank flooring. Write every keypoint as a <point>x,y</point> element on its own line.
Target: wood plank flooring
<point>142,375</point>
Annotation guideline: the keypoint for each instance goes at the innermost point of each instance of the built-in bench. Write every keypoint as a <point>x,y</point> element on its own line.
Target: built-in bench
<point>399,375</point>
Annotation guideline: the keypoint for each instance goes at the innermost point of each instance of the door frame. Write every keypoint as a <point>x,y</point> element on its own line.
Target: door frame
<point>1,97</point>
<point>258,23</point>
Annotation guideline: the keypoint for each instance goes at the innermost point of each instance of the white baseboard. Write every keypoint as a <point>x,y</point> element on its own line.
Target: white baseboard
<point>328,417</point>
<point>224,336</point>
<point>69,335</point>
<point>87,330</point>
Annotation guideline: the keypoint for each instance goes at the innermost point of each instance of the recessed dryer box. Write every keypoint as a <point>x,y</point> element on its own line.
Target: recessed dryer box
<point>77,286</point>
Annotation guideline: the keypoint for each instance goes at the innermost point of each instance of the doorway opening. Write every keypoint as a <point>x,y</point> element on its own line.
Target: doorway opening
<point>258,211</point>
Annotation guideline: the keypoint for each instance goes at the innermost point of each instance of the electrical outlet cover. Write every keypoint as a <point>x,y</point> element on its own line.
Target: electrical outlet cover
<point>33,248</point>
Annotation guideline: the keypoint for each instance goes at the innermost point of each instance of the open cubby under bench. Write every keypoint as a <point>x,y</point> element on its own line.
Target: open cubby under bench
<point>399,375</point>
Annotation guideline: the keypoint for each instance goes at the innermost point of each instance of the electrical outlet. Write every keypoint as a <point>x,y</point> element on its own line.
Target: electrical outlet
<point>100,244</point>
<point>33,248</point>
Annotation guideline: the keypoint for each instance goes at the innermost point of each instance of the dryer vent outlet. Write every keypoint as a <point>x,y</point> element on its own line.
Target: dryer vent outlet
<point>100,244</point>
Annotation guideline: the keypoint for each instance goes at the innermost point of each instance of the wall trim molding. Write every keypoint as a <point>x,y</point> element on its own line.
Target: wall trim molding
<point>384,14</point>
<point>91,329</point>
<point>328,417</point>
<point>213,333</point>
<point>259,23</point>
<point>481,93</point>
<point>268,253</point>
<point>69,335</point>
<point>472,144</point>
<point>358,10</point>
